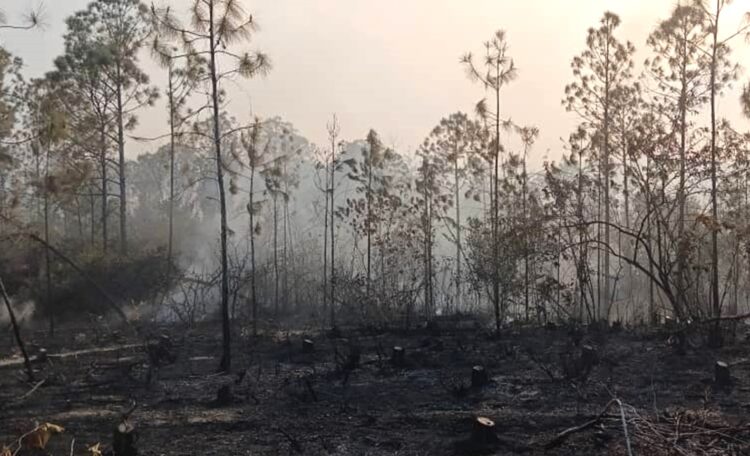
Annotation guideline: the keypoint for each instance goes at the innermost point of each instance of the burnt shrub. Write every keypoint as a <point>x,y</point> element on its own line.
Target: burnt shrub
<point>138,277</point>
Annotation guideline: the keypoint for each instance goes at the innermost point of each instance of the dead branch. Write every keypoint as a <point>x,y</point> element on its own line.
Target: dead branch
<point>562,436</point>
<point>32,390</point>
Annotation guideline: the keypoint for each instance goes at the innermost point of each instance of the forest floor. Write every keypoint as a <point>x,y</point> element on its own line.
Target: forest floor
<point>285,400</point>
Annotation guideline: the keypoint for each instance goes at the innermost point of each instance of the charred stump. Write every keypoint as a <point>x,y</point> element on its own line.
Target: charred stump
<point>579,364</point>
<point>160,351</point>
<point>398,356</point>
<point>722,376</point>
<point>124,440</point>
<point>308,346</point>
<point>224,396</point>
<point>41,356</point>
<point>483,431</point>
<point>479,377</point>
<point>334,333</point>
<point>589,357</point>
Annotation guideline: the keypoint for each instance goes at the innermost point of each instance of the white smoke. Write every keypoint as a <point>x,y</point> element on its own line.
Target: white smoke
<point>23,311</point>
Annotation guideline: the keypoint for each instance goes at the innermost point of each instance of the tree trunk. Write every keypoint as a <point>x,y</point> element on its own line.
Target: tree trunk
<point>325,248</point>
<point>369,220</point>
<point>714,184</point>
<point>285,227</point>
<point>92,203</point>
<point>333,239</point>
<point>170,236</point>
<point>525,239</point>
<point>653,317</point>
<point>226,358</point>
<point>121,166</point>
<point>47,262</point>
<point>681,199</point>
<point>275,257</point>
<point>458,234</point>
<point>607,211</point>
<point>253,294</point>
<point>496,216</point>
<point>103,165</point>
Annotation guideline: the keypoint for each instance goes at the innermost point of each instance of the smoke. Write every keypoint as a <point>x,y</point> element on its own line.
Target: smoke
<point>23,311</point>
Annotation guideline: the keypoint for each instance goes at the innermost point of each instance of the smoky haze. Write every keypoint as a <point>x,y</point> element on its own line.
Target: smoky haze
<point>393,65</point>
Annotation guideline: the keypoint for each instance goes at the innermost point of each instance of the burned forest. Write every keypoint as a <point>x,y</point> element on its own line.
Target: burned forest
<point>334,227</point>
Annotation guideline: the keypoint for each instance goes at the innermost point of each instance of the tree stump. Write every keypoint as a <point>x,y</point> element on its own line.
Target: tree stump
<point>479,377</point>
<point>483,431</point>
<point>124,439</point>
<point>576,335</point>
<point>224,396</point>
<point>398,356</point>
<point>352,359</point>
<point>334,333</point>
<point>41,356</point>
<point>589,356</point>
<point>160,351</point>
<point>308,346</point>
<point>722,375</point>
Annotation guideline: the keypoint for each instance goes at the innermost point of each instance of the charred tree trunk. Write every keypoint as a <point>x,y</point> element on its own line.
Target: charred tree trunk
<point>275,257</point>
<point>253,273</point>
<point>226,358</point>
<point>496,216</point>
<point>325,249</point>
<point>715,299</point>
<point>104,209</point>
<point>121,165</point>
<point>333,239</point>
<point>47,262</point>
<point>170,235</point>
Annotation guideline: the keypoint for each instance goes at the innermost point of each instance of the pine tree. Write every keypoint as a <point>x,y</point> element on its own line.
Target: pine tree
<point>215,26</point>
<point>599,70</point>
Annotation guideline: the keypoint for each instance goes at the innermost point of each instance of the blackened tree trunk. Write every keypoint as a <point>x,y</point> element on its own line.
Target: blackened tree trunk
<point>226,358</point>
<point>47,262</point>
<point>496,215</point>
<point>253,293</point>
<point>121,165</point>
<point>103,166</point>
<point>333,238</point>
<point>170,238</point>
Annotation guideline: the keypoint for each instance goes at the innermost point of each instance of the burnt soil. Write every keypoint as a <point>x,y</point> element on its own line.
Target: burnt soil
<point>285,400</point>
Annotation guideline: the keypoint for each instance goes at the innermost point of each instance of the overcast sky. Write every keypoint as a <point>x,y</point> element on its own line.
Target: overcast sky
<point>393,65</point>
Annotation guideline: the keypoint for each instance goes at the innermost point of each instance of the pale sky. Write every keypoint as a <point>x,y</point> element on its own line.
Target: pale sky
<point>393,65</point>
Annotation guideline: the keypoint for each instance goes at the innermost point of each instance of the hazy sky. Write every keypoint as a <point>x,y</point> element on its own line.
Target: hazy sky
<point>393,65</point>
